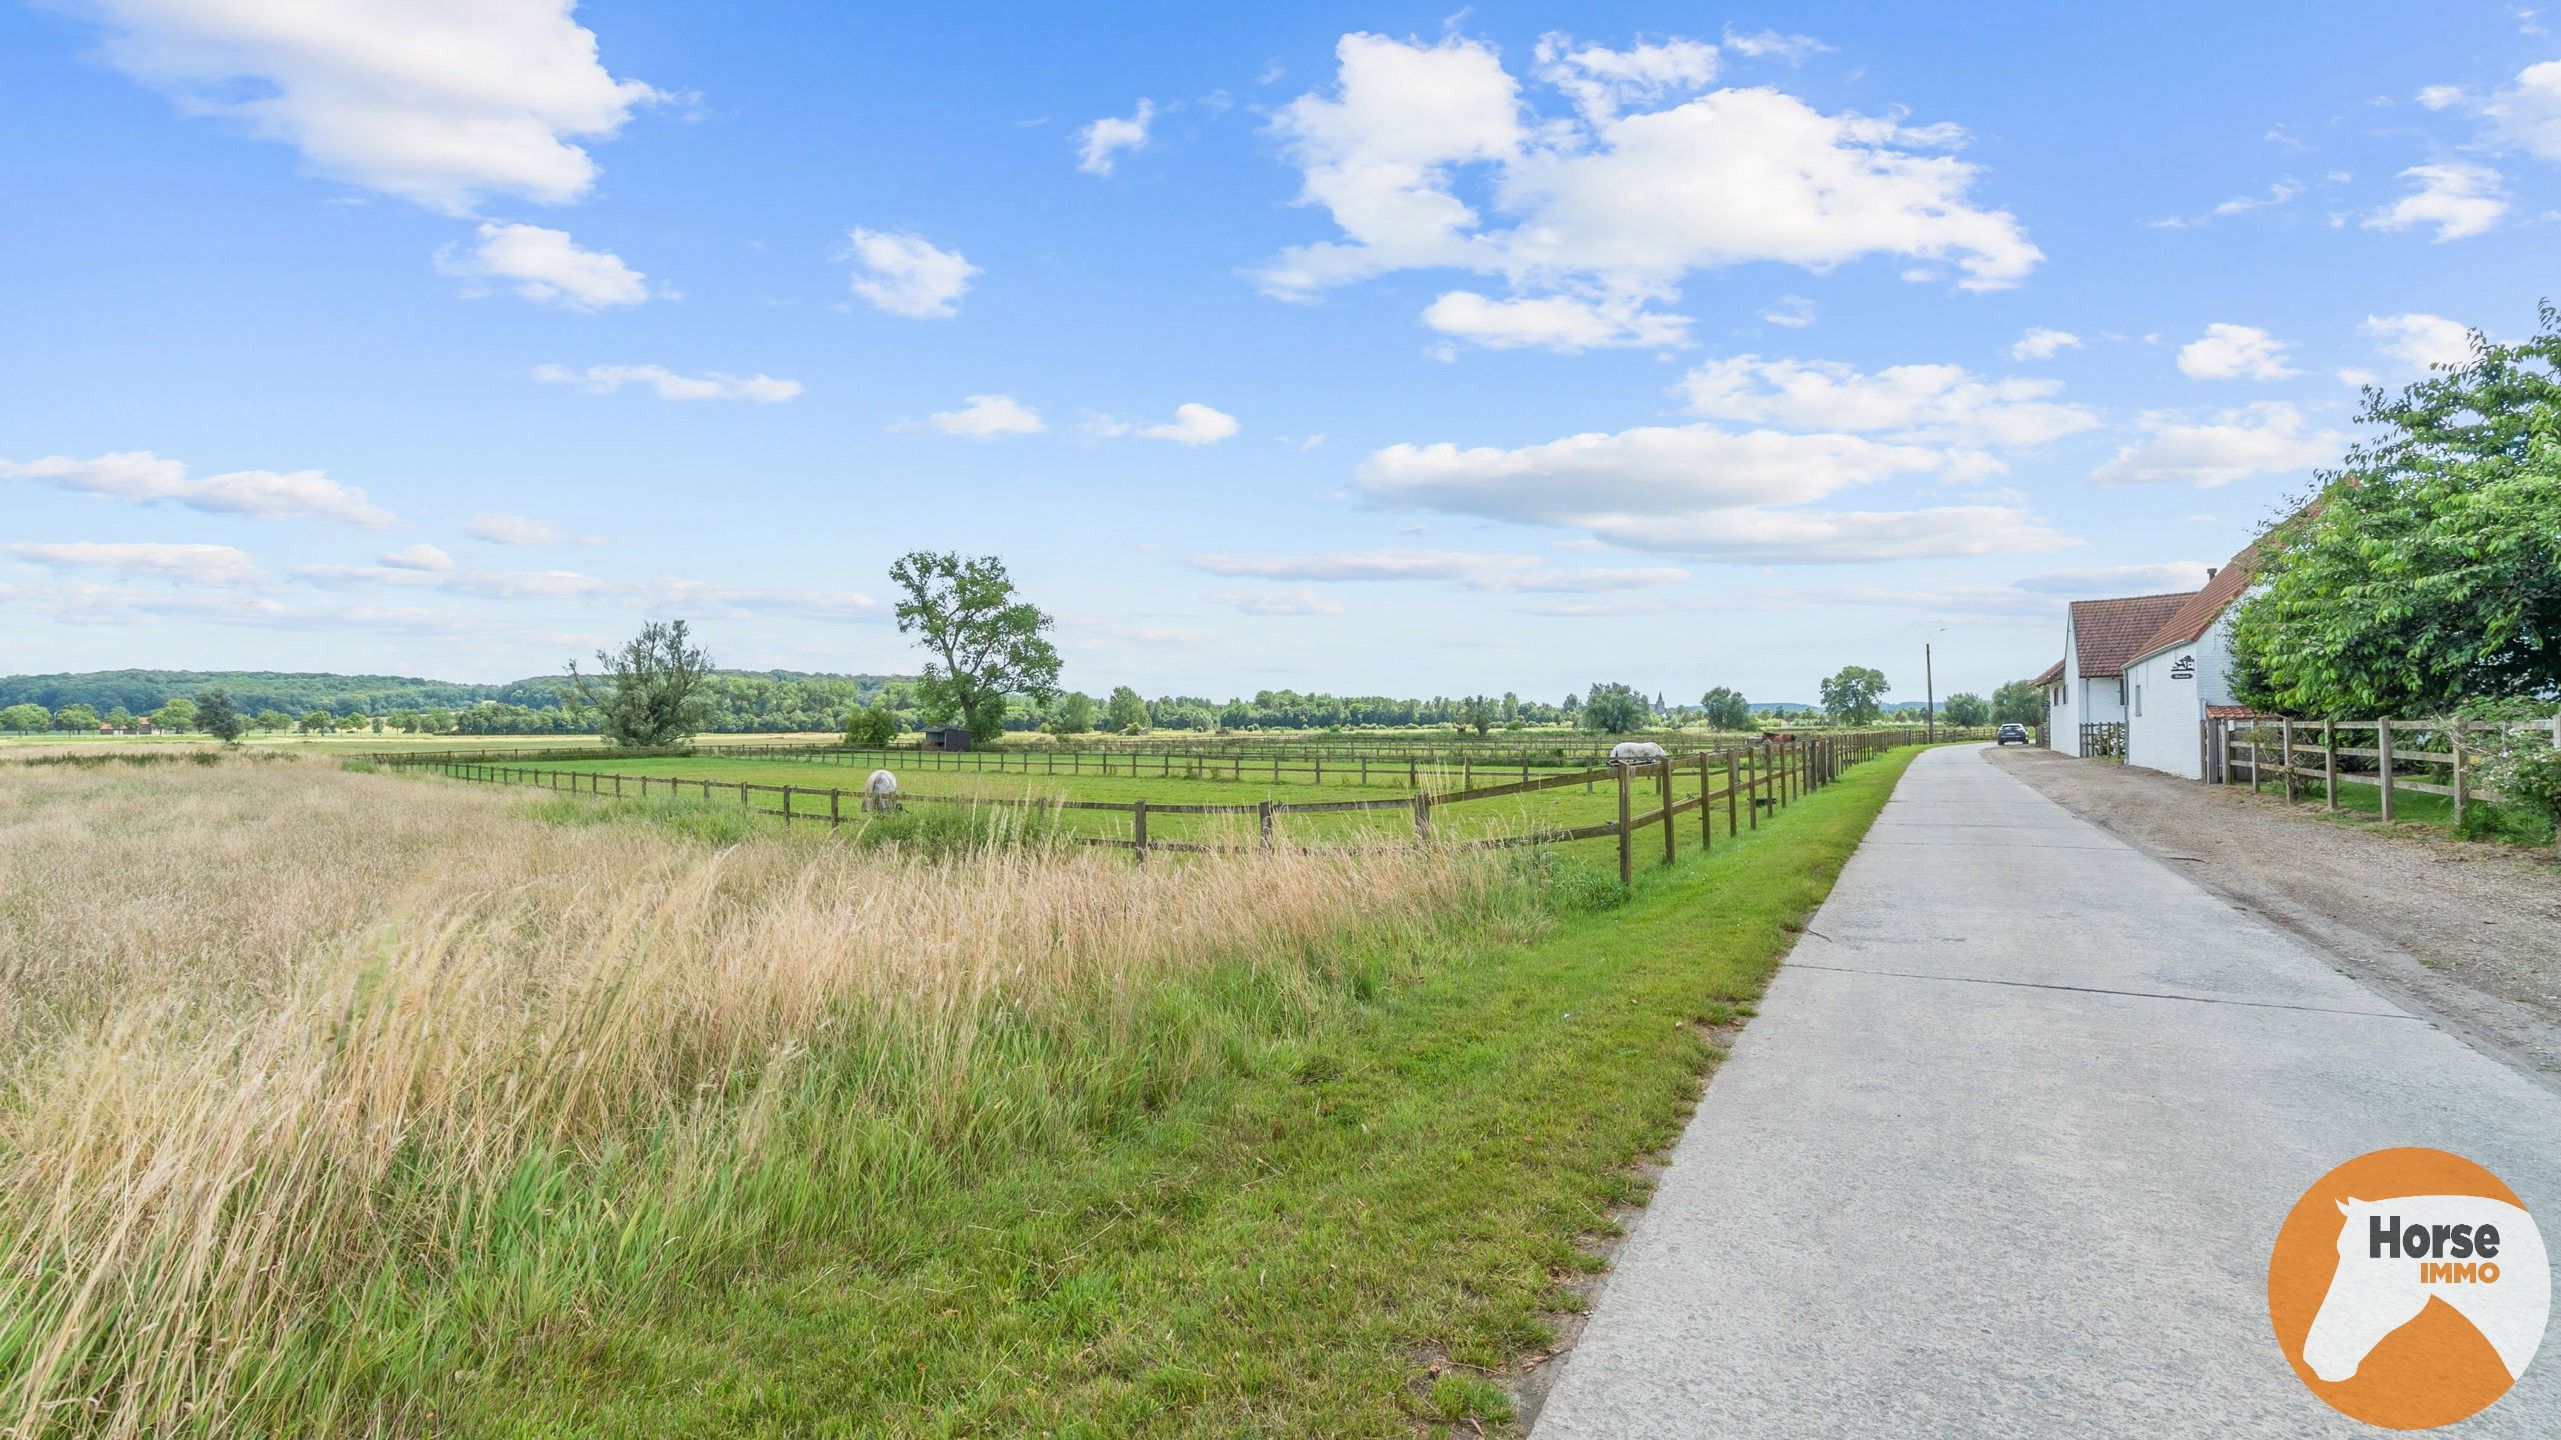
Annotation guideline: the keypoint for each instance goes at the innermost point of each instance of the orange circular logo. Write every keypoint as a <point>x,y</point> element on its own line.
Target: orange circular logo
<point>2409,1288</point>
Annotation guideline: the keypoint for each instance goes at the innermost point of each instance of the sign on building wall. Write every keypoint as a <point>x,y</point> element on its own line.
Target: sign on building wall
<point>2183,668</point>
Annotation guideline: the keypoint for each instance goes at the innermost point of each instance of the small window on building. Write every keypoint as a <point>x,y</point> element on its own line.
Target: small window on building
<point>2138,699</point>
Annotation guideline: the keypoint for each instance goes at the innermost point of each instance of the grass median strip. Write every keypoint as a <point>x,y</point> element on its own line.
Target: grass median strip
<point>1400,1172</point>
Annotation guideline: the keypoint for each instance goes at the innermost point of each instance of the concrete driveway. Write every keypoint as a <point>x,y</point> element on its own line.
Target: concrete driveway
<point>2006,1148</point>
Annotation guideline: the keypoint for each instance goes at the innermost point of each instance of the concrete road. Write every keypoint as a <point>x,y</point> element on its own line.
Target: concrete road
<point>2007,1146</point>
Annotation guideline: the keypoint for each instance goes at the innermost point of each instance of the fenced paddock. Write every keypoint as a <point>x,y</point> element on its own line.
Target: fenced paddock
<point>1148,804</point>
<point>2396,758</point>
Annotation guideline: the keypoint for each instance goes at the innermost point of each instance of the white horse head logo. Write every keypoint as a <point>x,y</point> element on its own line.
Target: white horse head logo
<point>2481,1256</point>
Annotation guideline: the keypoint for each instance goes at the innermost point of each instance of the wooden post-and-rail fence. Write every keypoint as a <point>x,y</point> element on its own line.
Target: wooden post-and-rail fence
<point>1764,776</point>
<point>2397,757</point>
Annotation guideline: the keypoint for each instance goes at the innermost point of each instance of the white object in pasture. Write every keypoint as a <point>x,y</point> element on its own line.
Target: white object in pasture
<point>880,791</point>
<point>1636,752</point>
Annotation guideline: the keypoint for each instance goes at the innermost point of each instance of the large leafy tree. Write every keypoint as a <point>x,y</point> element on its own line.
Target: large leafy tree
<point>75,717</point>
<point>2020,702</point>
<point>1726,709</point>
<point>2426,570</point>
<point>1614,709</point>
<point>1852,696</point>
<point>23,718</point>
<point>1127,710</point>
<point>177,714</point>
<point>1478,713</point>
<point>1072,713</point>
<point>650,692</point>
<point>217,716</point>
<point>985,644</point>
<point>1965,710</point>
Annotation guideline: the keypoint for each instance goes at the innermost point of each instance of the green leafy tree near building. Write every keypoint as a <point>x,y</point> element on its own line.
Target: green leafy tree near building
<point>2018,703</point>
<point>1855,695</point>
<point>1615,709</point>
<point>2425,571</point>
<point>1965,710</point>
<point>75,717</point>
<point>871,727</point>
<point>1726,709</point>
<point>986,644</point>
<point>178,714</point>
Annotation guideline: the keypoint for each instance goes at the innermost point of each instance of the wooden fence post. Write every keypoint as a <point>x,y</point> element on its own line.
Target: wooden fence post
<point>1668,826</point>
<point>1138,828</point>
<point>2285,770</point>
<point>835,808</point>
<point>1264,822</point>
<point>1626,857</point>
<point>1706,812</point>
<point>1422,818</point>
<point>2329,765</point>
<point>2459,796</point>
<point>1733,784</point>
<point>786,807</point>
<point>2383,763</point>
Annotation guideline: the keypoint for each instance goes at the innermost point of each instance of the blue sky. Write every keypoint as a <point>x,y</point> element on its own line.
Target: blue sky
<point>1356,348</point>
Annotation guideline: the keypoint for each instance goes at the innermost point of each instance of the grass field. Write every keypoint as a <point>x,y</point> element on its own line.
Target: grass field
<point>1563,808</point>
<point>365,1106</point>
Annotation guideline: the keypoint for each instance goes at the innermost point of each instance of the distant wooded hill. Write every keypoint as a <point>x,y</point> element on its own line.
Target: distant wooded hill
<point>743,699</point>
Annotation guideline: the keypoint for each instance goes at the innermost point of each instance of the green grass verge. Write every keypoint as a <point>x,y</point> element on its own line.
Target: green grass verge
<point>2361,800</point>
<point>1282,1246</point>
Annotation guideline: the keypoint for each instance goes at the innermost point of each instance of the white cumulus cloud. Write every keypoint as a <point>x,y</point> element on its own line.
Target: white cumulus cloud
<point>438,104</point>
<point>2459,198</point>
<point>2234,352</point>
<point>2527,114</point>
<point>421,556</point>
<point>2419,342</point>
<point>499,528</point>
<point>1099,145</point>
<point>1565,323</point>
<point>1641,184</point>
<point>193,564</point>
<point>547,267</point>
<point>1193,424</point>
<point>906,274</point>
<point>2038,342</point>
<point>1293,601</point>
<point>2267,437</point>
<point>1942,404</point>
<point>606,379</point>
<point>986,417</point>
<point>141,476</point>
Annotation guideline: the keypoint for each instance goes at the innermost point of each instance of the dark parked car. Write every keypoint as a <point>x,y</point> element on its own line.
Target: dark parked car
<point>2014,733</point>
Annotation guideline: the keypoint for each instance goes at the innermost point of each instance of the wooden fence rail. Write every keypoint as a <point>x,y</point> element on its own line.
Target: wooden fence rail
<point>2264,747</point>
<point>1274,767</point>
<point>1764,776</point>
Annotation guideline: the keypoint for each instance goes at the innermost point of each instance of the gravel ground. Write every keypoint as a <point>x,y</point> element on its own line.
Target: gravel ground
<point>2466,931</point>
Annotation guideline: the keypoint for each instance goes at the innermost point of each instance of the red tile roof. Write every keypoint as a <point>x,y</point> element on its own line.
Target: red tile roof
<point>2205,606</point>
<point>2052,673</point>
<point>2111,632</point>
<point>2235,712</point>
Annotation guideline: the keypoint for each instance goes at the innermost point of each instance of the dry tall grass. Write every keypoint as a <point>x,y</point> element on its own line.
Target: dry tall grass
<point>320,1085</point>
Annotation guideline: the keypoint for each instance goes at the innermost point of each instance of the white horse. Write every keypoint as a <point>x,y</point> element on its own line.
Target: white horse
<point>880,791</point>
<point>2381,1286</point>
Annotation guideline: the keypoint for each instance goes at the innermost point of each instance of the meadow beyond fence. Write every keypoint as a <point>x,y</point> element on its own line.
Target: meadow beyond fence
<point>1742,781</point>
